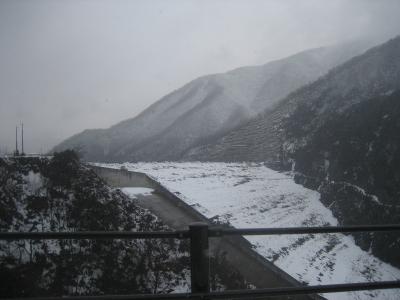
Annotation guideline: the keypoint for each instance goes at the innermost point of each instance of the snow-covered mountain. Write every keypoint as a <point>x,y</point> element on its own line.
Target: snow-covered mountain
<point>280,130</point>
<point>207,107</point>
<point>340,134</point>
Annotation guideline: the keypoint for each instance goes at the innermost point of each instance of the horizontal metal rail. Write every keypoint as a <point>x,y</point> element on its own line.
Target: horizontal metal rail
<point>197,264</point>
<point>256,293</point>
<point>182,234</point>
<point>302,230</point>
<point>107,235</point>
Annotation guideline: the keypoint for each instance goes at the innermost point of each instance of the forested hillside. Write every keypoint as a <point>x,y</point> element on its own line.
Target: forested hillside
<point>354,161</point>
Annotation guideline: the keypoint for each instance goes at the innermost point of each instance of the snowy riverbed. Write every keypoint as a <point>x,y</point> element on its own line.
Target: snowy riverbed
<point>251,195</point>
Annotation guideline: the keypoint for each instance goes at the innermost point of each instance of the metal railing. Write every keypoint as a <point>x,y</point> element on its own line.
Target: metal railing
<point>199,234</point>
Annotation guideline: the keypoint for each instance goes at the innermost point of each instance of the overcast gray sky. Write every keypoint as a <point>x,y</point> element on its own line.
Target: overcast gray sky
<point>70,65</point>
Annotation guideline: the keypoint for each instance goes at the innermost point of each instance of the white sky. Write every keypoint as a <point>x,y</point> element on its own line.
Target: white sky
<point>70,65</point>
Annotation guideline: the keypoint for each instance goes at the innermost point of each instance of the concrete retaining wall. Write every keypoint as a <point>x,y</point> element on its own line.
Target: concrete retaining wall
<point>123,178</point>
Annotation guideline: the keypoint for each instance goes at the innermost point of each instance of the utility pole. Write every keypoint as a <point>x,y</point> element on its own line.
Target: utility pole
<point>22,139</point>
<point>16,141</point>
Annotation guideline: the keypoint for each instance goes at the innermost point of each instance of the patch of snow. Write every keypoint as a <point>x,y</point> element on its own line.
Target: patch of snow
<point>360,190</point>
<point>134,191</point>
<point>34,183</point>
<point>388,93</point>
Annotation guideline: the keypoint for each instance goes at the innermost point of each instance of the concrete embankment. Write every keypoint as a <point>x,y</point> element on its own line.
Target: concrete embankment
<point>178,215</point>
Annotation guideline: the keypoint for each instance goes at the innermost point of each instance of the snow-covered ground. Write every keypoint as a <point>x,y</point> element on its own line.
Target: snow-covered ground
<point>251,195</point>
<point>134,191</point>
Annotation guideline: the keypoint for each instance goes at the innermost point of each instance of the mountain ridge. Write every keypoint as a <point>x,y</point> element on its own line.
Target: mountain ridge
<point>216,103</point>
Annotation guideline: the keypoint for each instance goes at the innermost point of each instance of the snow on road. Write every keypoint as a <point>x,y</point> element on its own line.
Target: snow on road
<point>252,195</point>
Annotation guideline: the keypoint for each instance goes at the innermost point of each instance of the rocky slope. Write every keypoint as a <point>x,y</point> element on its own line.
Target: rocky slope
<point>207,107</point>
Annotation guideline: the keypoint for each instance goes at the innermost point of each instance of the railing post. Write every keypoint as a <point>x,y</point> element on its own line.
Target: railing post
<point>199,257</point>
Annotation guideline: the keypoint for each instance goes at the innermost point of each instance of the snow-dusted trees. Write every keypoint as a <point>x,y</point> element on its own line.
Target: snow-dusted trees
<point>62,195</point>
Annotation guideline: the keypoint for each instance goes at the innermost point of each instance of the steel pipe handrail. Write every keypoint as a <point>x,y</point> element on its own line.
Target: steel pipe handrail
<point>199,234</point>
<point>302,230</point>
<point>79,235</point>
<point>182,234</point>
<point>253,293</point>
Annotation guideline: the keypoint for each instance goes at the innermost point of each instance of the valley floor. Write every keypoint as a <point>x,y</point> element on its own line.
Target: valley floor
<point>252,195</point>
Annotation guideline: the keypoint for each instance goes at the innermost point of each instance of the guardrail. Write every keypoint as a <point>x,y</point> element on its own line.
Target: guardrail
<point>199,234</point>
